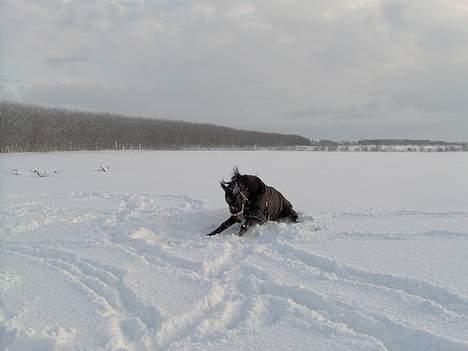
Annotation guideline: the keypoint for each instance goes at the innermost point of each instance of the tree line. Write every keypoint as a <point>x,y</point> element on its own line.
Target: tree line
<point>385,142</point>
<point>418,142</point>
<point>31,128</point>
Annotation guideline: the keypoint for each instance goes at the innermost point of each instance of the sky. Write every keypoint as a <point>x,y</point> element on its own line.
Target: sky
<point>324,69</point>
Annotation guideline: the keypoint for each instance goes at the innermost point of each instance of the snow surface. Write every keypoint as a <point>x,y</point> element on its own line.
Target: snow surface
<point>117,260</point>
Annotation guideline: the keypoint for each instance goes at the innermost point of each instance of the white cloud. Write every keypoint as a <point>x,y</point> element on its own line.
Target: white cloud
<point>203,10</point>
<point>244,10</point>
<point>347,68</point>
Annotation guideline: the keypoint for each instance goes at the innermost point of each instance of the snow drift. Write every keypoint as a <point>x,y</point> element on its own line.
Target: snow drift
<point>117,260</point>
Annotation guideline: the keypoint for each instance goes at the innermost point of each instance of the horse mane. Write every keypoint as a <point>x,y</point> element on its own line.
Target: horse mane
<point>235,173</point>
<point>252,185</point>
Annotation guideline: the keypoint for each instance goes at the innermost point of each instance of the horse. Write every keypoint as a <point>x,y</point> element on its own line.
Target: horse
<point>253,202</point>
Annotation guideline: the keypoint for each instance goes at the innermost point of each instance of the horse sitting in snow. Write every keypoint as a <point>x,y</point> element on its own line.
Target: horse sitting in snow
<point>253,202</point>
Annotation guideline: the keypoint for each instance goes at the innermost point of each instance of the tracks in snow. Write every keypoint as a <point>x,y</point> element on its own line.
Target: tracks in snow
<point>425,299</point>
<point>130,319</point>
<point>427,291</point>
<point>256,282</point>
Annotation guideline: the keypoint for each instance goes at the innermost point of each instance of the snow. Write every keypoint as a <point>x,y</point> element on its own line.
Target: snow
<point>117,260</point>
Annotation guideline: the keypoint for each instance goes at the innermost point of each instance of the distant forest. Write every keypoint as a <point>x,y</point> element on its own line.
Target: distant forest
<point>386,142</point>
<point>30,128</point>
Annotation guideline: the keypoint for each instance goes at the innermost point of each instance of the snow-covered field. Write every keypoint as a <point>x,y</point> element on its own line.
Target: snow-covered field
<point>117,260</point>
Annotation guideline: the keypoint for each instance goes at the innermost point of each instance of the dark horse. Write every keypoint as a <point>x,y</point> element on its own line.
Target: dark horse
<point>253,202</point>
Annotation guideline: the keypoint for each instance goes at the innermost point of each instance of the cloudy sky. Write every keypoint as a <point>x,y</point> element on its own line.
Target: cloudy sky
<point>338,69</point>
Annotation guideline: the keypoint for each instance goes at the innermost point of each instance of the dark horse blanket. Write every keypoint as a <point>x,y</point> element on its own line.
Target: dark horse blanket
<point>252,201</point>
